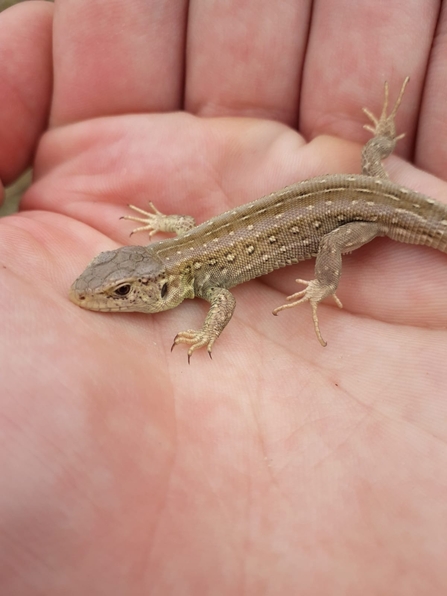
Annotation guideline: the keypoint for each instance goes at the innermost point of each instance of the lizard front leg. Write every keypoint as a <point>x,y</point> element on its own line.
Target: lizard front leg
<point>222,307</point>
<point>342,240</point>
<point>159,222</point>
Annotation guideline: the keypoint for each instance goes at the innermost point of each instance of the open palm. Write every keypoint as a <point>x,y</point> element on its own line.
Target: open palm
<point>280,467</point>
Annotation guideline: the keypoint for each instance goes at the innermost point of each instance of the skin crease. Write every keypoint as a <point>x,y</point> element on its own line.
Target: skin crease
<point>280,467</point>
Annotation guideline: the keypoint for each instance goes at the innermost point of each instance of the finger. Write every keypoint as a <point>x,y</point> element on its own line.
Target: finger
<point>431,142</point>
<point>114,57</point>
<point>246,58</point>
<point>25,83</point>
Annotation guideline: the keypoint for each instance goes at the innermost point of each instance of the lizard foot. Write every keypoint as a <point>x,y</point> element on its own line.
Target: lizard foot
<point>196,339</point>
<point>159,222</point>
<point>384,125</point>
<point>314,292</point>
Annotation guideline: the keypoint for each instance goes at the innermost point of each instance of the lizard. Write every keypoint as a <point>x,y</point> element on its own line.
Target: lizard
<point>323,217</point>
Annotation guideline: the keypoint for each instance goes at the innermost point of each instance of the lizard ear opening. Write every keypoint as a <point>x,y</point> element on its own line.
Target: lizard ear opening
<point>164,290</point>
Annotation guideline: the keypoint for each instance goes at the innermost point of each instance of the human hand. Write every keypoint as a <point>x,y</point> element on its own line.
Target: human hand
<point>280,466</point>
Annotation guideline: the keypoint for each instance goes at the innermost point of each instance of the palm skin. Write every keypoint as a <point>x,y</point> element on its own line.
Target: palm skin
<point>280,467</point>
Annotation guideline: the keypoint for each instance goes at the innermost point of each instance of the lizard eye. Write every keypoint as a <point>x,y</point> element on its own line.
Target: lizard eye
<point>122,290</point>
<point>164,290</point>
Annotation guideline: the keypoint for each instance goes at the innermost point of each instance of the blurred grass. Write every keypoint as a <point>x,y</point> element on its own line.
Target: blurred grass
<point>15,191</point>
<point>7,3</point>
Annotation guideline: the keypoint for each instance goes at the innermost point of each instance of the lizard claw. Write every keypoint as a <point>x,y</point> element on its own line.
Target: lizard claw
<point>196,339</point>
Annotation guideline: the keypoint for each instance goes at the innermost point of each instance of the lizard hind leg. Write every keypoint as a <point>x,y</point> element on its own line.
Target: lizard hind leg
<point>384,137</point>
<point>384,126</point>
<point>333,245</point>
<point>314,292</point>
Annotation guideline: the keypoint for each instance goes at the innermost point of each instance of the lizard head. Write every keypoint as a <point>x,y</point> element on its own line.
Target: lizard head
<point>131,278</point>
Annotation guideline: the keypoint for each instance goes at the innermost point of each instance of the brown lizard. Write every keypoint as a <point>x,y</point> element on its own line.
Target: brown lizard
<point>322,217</point>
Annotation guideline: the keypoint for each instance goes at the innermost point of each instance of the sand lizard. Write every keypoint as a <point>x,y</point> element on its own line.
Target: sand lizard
<point>322,217</point>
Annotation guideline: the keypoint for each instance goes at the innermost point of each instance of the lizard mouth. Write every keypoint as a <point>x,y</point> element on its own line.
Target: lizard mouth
<point>83,300</point>
<point>91,302</point>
